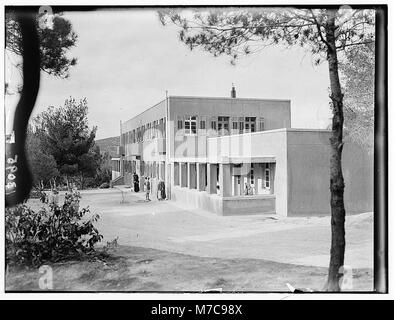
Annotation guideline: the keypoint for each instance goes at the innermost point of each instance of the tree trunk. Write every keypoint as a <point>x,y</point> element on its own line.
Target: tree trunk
<point>337,185</point>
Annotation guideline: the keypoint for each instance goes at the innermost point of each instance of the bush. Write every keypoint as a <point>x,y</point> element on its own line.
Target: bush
<point>105,185</point>
<point>38,194</point>
<point>51,234</point>
<point>103,175</point>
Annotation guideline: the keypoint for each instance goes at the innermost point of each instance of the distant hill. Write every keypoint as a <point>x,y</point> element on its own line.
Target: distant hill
<point>109,145</point>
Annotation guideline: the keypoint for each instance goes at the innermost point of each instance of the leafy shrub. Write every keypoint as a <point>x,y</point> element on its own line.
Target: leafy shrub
<point>105,185</point>
<point>90,183</point>
<point>103,175</point>
<point>52,233</point>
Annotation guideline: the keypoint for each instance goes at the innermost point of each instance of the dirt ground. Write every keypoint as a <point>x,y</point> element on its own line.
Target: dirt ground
<point>147,270</point>
<point>164,247</point>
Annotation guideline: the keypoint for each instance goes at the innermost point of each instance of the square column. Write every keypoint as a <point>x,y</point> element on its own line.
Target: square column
<point>224,180</point>
<point>201,172</point>
<point>191,176</point>
<point>234,184</point>
<point>241,186</point>
<point>183,173</point>
<point>162,170</point>
<point>169,177</point>
<point>176,171</point>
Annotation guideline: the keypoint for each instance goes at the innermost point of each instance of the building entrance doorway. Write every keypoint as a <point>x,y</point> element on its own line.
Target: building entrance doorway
<point>236,185</point>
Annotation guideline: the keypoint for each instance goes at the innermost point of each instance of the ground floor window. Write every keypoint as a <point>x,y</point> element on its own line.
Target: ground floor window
<point>116,165</point>
<point>267,181</point>
<point>251,174</point>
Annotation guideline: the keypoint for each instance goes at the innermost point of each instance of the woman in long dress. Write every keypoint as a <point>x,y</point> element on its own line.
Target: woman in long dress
<point>136,182</point>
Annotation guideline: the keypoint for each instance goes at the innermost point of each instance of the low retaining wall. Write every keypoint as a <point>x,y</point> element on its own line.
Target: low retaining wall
<point>258,204</point>
<point>191,198</point>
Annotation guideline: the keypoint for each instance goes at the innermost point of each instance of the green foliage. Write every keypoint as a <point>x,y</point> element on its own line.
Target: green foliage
<point>55,42</point>
<point>65,135</point>
<point>43,165</point>
<point>104,185</point>
<point>358,70</point>
<point>242,31</point>
<point>49,234</point>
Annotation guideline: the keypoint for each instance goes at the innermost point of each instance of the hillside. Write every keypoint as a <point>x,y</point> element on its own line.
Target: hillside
<point>108,144</point>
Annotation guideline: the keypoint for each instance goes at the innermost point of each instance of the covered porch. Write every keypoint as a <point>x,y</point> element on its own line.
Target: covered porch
<point>234,185</point>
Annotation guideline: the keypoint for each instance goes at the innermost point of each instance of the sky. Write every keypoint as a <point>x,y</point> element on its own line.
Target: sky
<point>127,60</point>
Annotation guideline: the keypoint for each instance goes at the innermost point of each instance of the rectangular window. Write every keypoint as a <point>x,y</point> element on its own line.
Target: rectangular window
<point>251,174</point>
<point>241,125</point>
<point>213,125</point>
<point>180,124</point>
<point>191,125</point>
<point>161,127</point>
<point>202,124</point>
<point>266,182</point>
<point>250,124</point>
<point>223,125</point>
<point>235,125</point>
<point>149,131</point>
<point>261,124</point>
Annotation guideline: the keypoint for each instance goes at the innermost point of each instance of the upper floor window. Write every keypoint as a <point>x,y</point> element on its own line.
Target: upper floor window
<point>261,124</point>
<point>241,124</point>
<point>139,134</point>
<point>161,127</point>
<point>191,125</point>
<point>180,124</point>
<point>223,125</point>
<point>213,125</point>
<point>149,130</point>
<point>202,124</point>
<point>250,124</point>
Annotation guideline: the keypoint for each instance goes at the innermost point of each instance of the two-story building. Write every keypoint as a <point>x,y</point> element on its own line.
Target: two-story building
<point>238,156</point>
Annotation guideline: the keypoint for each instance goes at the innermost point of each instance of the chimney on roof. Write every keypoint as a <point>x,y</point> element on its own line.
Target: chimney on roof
<point>233,92</point>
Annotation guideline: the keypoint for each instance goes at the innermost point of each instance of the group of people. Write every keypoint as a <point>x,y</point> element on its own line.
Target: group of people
<point>161,189</point>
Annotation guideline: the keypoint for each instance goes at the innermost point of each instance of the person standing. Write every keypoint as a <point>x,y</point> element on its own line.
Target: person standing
<point>136,182</point>
<point>147,189</point>
<point>161,191</point>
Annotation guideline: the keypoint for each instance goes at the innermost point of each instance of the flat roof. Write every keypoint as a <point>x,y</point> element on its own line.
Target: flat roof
<point>204,98</point>
<point>227,98</point>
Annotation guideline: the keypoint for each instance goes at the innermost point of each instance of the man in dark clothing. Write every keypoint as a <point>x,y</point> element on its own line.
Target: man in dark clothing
<point>136,182</point>
<point>161,191</point>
